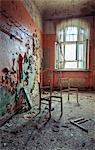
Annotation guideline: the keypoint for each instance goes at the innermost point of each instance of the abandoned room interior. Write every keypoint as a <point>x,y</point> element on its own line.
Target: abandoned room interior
<point>47,74</point>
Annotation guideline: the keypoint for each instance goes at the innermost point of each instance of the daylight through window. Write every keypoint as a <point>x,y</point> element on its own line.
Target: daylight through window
<point>70,49</point>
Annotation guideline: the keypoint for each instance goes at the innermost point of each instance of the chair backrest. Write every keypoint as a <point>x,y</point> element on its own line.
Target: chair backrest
<point>71,82</point>
<point>64,83</point>
<point>46,77</point>
<point>44,90</point>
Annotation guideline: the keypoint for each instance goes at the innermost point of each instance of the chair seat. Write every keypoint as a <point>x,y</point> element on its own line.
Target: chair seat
<point>55,96</point>
<point>46,98</point>
<point>73,88</point>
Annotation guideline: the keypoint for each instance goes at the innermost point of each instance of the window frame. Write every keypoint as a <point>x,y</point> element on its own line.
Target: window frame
<point>84,41</point>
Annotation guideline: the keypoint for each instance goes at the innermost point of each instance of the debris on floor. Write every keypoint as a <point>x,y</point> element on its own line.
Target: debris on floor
<point>32,130</point>
<point>78,122</point>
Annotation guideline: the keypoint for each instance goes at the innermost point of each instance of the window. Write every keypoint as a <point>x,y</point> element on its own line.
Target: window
<point>70,49</point>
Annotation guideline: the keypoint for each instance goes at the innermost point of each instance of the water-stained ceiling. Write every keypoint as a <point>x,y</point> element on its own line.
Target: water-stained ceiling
<point>60,9</point>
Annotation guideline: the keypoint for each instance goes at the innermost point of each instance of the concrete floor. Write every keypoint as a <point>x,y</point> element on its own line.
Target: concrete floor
<point>29,132</point>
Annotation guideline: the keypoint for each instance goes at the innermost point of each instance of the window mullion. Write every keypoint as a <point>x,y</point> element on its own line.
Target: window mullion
<point>78,47</point>
<point>77,54</point>
<point>71,48</point>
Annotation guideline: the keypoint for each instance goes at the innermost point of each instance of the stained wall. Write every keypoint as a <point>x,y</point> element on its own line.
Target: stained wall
<point>18,29</point>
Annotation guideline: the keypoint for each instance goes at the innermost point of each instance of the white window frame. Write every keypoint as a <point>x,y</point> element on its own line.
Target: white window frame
<point>60,58</point>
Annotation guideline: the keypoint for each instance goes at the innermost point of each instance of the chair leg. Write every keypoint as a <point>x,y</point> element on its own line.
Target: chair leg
<point>39,99</point>
<point>77,96</point>
<point>68,95</point>
<point>61,106</point>
<point>40,105</point>
<point>50,109</point>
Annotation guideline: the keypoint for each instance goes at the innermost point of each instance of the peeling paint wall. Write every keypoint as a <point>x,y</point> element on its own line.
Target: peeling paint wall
<point>17,30</point>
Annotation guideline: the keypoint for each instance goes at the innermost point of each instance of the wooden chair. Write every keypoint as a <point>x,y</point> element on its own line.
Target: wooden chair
<point>46,85</point>
<point>66,85</point>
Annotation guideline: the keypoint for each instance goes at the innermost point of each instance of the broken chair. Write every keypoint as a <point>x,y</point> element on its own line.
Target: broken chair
<point>66,84</point>
<point>46,91</point>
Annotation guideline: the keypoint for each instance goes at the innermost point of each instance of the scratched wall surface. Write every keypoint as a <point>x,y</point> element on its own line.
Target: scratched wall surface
<point>17,27</point>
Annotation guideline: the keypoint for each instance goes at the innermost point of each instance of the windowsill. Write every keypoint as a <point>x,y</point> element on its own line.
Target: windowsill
<point>69,70</point>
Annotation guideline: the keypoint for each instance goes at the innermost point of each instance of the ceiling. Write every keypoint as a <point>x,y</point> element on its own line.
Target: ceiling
<point>60,9</point>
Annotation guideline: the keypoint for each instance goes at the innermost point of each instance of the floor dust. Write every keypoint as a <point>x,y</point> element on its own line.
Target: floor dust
<point>33,131</point>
